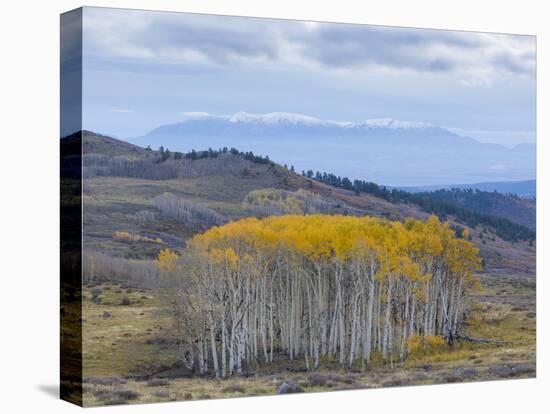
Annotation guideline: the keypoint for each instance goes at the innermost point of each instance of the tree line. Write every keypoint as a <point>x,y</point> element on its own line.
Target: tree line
<point>165,154</point>
<point>316,288</point>
<point>150,168</point>
<point>431,203</point>
<point>508,206</point>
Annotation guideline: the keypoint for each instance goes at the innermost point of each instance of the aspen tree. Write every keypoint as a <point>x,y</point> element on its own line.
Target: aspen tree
<point>299,287</point>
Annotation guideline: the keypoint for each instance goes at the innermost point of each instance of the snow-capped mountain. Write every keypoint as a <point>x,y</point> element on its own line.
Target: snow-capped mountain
<point>276,118</point>
<point>289,118</point>
<point>391,124</point>
<point>386,151</point>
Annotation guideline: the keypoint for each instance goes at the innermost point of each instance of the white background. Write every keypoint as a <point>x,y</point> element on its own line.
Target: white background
<point>29,223</point>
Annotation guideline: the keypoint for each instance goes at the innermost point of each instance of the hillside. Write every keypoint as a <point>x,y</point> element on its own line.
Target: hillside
<point>138,201</point>
<point>101,144</point>
<point>517,210</point>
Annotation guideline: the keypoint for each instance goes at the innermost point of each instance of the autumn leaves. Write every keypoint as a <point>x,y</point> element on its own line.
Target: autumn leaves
<point>316,287</point>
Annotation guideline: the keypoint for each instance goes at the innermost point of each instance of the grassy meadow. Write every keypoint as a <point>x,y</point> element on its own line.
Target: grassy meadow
<point>128,351</point>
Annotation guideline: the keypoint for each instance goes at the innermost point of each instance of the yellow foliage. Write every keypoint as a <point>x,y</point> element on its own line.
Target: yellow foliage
<point>434,341</point>
<point>415,343</point>
<point>167,260</point>
<point>377,261</point>
<point>476,319</point>
<point>274,201</point>
<point>402,249</point>
<point>128,237</point>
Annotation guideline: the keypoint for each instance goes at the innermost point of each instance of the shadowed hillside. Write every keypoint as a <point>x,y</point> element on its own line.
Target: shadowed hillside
<point>509,206</point>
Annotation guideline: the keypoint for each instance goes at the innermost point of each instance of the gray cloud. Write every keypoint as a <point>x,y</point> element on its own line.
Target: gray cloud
<point>523,64</point>
<point>221,40</point>
<point>218,41</point>
<point>344,46</point>
<point>422,50</point>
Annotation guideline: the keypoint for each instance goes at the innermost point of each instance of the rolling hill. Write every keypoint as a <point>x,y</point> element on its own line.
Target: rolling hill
<point>517,210</point>
<point>139,201</point>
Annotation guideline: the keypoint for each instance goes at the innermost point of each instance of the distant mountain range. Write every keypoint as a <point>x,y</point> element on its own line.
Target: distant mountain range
<point>527,188</point>
<point>386,151</point>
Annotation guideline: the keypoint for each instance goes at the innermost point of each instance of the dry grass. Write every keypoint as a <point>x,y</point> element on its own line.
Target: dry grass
<point>123,344</point>
<point>137,338</point>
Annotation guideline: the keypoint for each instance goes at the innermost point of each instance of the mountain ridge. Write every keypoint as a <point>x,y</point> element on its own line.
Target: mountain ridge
<point>523,188</point>
<point>297,118</point>
<point>387,151</point>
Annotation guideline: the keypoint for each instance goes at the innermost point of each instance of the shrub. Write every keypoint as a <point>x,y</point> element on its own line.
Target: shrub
<point>468,373</point>
<point>127,394</point>
<point>451,377</point>
<point>156,341</point>
<point>103,395</point>
<point>394,382</point>
<point>415,343</point>
<point>161,394</point>
<point>128,237</point>
<point>435,341</point>
<point>522,369</point>
<point>344,379</point>
<point>116,396</point>
<point>317,380</point>
<point>289,388</point>
<point>96,291</point>
<point>105,381</point>
<point>501,370</point>
<point>158,382</point>
<point>420,376</point>
<point>418,345</point>
<point>234,388</point>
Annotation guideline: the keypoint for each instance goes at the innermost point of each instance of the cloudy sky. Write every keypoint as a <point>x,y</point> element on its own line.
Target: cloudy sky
<point>143,69</point>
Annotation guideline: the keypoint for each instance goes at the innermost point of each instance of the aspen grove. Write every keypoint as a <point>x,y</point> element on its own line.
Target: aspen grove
<point>316,288</point>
